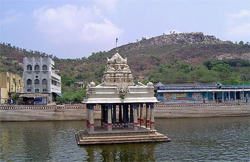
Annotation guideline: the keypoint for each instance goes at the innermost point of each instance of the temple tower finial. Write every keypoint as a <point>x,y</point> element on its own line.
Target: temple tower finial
<point>116,45</point>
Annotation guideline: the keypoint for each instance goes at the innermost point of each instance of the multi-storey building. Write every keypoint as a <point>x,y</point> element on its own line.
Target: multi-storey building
<point>9,83</point>
<point>41,83</point>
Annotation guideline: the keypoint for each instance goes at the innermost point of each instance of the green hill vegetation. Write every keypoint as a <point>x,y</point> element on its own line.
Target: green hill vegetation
<point>186,58</point>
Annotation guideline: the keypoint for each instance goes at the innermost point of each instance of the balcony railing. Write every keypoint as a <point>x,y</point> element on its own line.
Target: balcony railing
<point>44,86</point>
<point>37,85</point>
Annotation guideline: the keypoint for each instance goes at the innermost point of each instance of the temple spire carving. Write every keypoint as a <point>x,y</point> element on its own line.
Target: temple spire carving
<point>117,72</point>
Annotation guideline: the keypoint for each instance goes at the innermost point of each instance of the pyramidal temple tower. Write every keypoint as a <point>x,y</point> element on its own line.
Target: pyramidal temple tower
<point>127,109</point>
<point>118,86</point>
<point>117,72</point>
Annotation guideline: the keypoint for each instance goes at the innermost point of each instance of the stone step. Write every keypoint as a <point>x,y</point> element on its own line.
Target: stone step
<point>134,140</point>
<point>157,137</point>
<point>108,139</point>
<point>121,136</point>
<point>118,134</point>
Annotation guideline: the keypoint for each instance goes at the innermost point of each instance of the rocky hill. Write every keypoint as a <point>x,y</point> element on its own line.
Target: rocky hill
<point>195,48</point>
<point>173,39</point>
<point>145,57</point>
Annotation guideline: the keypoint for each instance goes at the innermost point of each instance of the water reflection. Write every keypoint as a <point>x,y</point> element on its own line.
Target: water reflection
<point>214,139</point>
<point>196,139</point>
<point>31,142</point>
<point>37,141</point>
<point>121,152</point>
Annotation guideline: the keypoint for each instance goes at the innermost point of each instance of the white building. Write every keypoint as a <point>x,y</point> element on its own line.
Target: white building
<point>41,83</point>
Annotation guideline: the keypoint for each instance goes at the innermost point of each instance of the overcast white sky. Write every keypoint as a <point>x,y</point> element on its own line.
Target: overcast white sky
<point>76,28</point>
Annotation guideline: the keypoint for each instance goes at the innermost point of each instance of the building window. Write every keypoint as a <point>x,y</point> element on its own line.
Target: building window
<point>36,90</point>
<point>29,82</point>
<point>44,83</point>
<point>29,67</point>
<point>45,90</point>
<point>37,82</point>
<point>45,68</point>
<point>54,82</point>
<point>28,90</point>
<point>37,68</point>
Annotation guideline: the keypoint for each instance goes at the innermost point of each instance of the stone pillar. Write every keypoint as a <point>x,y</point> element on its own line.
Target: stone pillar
<point>125,114</point>
<point>229,97</point>
<point>152,118</point>
<point>102,114</point>
<point>234,95</point>
<point>87,115</point>
<point>135,107</point>
<point>114,115</point>
<point>120,113</point>
<point>105,114</point>
<point>109,118</point>
<point>139,114</point>
<point>147,116</point>
<point>128,113</point>
<point>91,118</point>
<point>213,96</point>
<point>243,94</point>
<point>131,114</point>
<point>223,97</point>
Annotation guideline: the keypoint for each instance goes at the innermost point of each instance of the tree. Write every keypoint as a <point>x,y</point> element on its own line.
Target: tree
<point>223,69</point>
<point>185,67</point>
<point>241,43</point>
<point>73,96</point>
<point>68,80</point>
<point>2,69</point>
<point>14,97</point>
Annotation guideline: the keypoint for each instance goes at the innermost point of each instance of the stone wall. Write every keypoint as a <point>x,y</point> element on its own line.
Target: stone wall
<point>78,112</point>
<point>202,110</point>
<point>42,113</point>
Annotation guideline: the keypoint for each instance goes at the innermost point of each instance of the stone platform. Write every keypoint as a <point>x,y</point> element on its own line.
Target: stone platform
<point>117,135</point>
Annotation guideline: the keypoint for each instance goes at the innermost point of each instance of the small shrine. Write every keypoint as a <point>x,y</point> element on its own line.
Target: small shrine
<point>127,108</point>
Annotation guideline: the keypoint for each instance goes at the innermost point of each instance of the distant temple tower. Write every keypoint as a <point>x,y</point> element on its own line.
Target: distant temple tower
<point>123,104</point>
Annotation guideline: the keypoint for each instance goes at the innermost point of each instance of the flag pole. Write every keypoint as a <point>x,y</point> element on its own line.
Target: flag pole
<point>116,45</point>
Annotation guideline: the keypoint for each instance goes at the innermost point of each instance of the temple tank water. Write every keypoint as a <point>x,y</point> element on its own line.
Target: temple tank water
<point>193,139</point>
